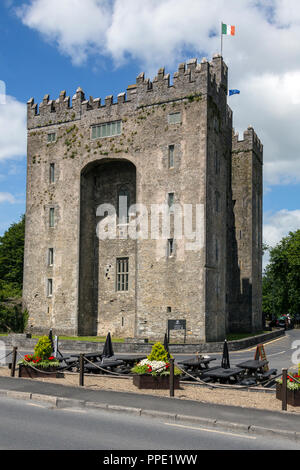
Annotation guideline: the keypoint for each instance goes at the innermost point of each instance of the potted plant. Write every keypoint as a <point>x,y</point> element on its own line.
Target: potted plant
<point>293,389</point>
<point>41,363</point>
<point>154,372</point>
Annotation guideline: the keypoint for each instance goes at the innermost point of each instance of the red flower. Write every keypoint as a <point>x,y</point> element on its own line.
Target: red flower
<point>167,365</point>
<point>51,358</point>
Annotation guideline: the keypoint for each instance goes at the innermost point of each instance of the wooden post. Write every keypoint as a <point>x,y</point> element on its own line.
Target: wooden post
<point>14,359</point>
<point>171,377</point>
<point>81,370</point>
<point>284,389</point>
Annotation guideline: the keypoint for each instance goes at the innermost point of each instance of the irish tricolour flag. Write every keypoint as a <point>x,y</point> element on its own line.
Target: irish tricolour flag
<point>228,29</point>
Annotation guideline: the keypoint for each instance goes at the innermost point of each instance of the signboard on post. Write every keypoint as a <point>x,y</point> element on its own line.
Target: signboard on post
<point>176,325</point>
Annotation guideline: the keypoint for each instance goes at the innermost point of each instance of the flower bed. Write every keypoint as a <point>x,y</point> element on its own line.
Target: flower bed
<point>154,372</point>
<point>293,390</point>
<point>41,363</point>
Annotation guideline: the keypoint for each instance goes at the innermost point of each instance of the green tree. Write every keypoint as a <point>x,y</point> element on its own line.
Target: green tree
<point>11,260</point>
<point>281,280</point>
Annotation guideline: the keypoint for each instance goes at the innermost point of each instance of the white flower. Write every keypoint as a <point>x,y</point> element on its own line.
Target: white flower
<point>155,365</point>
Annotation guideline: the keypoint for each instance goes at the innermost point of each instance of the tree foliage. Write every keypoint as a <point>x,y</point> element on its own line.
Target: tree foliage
<point>11,260</point>
<point>281,280</point>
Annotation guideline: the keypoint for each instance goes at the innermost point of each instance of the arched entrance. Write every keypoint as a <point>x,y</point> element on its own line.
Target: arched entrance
<point>107,266</point>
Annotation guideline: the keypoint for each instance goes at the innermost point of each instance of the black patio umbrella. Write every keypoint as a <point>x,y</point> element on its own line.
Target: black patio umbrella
<point>166,345</point>
<point>108,349</point>
<point>225,358</point>
<point>51,339</point>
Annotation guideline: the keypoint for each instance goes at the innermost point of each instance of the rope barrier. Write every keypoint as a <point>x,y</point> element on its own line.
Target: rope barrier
<point>4,357</point>
<point>129,375</point>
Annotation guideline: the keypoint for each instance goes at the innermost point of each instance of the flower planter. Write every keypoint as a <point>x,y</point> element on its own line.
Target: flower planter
<point>292,396</point>
<point>160,382</point>
<point>29,372</point>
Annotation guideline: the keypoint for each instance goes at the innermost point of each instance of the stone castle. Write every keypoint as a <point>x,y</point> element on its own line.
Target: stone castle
<point>94,167</point>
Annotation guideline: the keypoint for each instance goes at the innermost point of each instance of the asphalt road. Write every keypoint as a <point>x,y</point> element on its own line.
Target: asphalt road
<point>36,426</point>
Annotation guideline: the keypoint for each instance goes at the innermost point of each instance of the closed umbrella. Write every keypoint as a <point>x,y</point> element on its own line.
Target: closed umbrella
<point>51,339</point>
<point>108,349</point>
<point>225,358</point>
<point>166,345</point>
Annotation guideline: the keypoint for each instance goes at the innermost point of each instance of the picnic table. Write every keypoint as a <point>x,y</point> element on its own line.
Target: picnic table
<point>224,375</point>
<point>196,366</point>
<point>130,359</point>
<point>255,368</point>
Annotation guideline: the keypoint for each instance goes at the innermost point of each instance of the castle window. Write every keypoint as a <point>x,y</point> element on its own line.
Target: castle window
<point>123,205</point>
<point>52,172</point>
<point>49,287</point>
<point>170,247</point>
<point>171,156</point>
<point>51,137</point>
<point>217,251</point>
<point>122,274</point>
<point>174,118</point>
<point>108,129</point>
<point>50,257</point>
<point>51,217</point>
<point>171,201</point>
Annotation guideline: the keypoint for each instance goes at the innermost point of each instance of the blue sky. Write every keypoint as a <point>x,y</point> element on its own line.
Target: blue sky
<point>102,45</point>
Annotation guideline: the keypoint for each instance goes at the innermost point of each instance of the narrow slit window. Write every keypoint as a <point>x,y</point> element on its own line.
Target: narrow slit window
<point>170,247</point>
<point>50,257</point>
<point>49,287</point>
<point>171,201</point>
<point>52,172</point>
<point>171,156</point>
<point>122,274</point>
<point>51,217</point>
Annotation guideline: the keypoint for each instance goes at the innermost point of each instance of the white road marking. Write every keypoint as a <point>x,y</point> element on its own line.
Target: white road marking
<point>211,430</point>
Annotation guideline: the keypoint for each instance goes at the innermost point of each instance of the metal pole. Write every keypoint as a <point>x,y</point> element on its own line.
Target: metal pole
<point>221,39</point>
<point>171,377</point>
<point>14,359</point>
<point>81,370</point>
<point>284,389</point>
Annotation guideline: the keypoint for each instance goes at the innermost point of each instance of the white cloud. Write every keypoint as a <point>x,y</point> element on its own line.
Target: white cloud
<point>278,225</point>
<point>12,129</point>
<point>263,57</point>
<point>7,197</point>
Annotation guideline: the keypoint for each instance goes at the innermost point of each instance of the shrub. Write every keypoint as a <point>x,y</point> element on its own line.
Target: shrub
<point>43,348</point>
<point>158,353</point>
<point>12,319</point>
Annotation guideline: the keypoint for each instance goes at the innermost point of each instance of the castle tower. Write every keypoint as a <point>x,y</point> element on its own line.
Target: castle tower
<point>129,217</point>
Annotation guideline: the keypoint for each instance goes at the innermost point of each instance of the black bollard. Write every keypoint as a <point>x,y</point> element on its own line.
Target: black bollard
<point>284,389</point>
<point>171,377</point>
<point>81,370</point>
<point>14,360</point>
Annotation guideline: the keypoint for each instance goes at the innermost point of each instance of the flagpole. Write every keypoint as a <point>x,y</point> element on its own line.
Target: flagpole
<point>221,39</point>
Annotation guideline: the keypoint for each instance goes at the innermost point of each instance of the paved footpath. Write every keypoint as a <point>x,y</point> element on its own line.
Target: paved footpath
<point>285,424</point>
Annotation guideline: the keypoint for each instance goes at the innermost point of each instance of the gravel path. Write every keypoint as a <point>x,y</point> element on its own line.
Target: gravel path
<point>225,396</point>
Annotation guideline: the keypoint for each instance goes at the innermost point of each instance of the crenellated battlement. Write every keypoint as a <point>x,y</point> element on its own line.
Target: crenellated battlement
<point>191,78</point>
<point>250,141</point>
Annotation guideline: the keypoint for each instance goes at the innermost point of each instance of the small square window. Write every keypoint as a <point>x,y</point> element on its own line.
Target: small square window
<point>51,137</point>
<point>174,118</point>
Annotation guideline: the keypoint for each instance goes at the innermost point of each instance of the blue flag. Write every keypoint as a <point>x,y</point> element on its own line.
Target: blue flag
<point>234,92</point>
